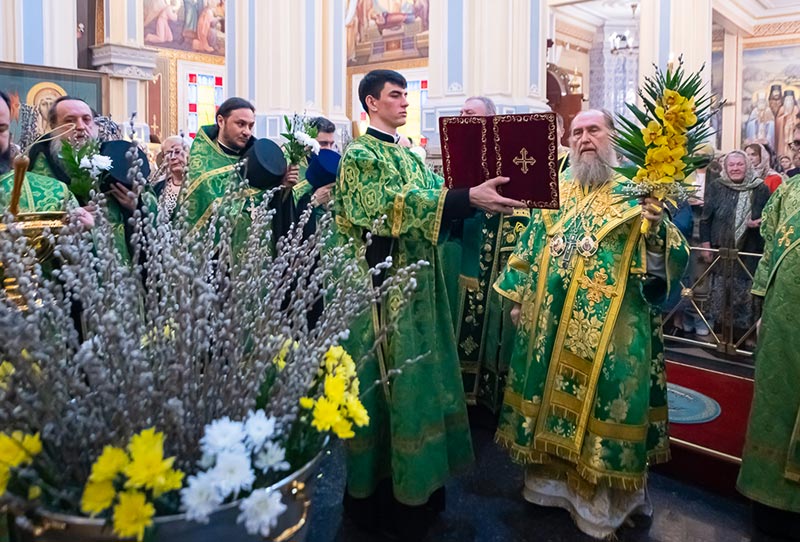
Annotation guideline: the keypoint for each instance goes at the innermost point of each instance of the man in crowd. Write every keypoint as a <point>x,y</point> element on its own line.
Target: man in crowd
<point>418,433</point>
<point>72,120</point>
<point>5,133</point>
<point>794,144</point>
<point>770,473</point>
<point>484,335</point>
<point>585,407</point>
<point>303,190</point>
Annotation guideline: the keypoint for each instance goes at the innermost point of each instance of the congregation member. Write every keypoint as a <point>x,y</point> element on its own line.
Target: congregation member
<point>168,186</point>
<point>770,473</point>
<point>761,159</point>
<point>303,190</point>
<point>731,218</point>
<point>585,408</point>
<point>5,133</point>
<point>484,335</point>
<point>418,435</point>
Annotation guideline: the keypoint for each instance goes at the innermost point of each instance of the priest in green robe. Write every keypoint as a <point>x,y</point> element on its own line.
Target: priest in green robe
<point>585,407</point>
<point>484,335</point>
<point>46,160</point>
<point>418,435</point>
<point>770,473</point>
<point>215,161</point>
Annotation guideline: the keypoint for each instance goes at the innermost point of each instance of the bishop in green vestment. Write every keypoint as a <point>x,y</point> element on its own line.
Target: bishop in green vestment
<point>46,161</point>
<point>418,434</point>
<point>770,473</point>
<point>585,407</point>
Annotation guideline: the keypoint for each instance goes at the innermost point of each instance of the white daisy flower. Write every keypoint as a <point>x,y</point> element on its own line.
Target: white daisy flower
<point>260,512</point>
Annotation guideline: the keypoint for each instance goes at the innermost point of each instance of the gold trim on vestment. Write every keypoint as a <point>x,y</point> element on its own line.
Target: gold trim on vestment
<point>618,431</point>
<point>517,263</point>
<point>437,224</point>
<point>529,409</point>
<point>658,414</point>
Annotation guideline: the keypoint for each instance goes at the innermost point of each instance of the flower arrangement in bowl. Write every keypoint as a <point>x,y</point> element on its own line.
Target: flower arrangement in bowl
<point>662,140</point>
<point>192,386</point>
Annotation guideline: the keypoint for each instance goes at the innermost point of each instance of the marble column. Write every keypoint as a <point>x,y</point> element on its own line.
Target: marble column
<point>292,62</point>
<point>122,55</point>
<point>496,49</point>
<point>731,127</point>
<point>39,32</point>
<point>671,28</point>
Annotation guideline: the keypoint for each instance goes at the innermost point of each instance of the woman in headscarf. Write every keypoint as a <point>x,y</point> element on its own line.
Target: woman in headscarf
<point>731,219</point>
<point>761,159</point>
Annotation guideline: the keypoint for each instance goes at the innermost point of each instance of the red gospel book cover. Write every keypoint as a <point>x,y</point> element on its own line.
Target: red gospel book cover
<point>521,147</point>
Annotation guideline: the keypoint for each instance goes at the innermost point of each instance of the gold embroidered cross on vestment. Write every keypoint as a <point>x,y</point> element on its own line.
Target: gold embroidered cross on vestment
<point>785,239</point>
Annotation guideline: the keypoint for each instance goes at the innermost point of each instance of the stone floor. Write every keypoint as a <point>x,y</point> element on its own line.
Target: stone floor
<point>485,506</point>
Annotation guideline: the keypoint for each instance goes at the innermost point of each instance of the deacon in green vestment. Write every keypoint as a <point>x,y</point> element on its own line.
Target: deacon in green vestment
<point>418,434</point>
<point>770,473</point>
<point>585,406</point>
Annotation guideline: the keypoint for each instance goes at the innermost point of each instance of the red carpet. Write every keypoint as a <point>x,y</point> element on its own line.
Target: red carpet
<point>734,394</point>
<point>708,454</point>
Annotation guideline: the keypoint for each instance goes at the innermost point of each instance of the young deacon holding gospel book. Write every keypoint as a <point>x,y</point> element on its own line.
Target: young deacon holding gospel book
<point>418,433</point>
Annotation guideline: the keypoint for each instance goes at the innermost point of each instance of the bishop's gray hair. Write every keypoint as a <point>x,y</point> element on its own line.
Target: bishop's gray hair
<point>491,109</point>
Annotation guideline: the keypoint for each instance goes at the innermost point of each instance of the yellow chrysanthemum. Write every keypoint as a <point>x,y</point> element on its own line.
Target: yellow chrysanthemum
<point>5,474</point>
<point>6,371</point>
<point>169,481</point>
<point>145,442</point>
<point>34,492</point>
<point>110,463</point>
<point>356,411</point>
<point>334,388</point>
<point>326,414</point>
<point>307,402</point>
<point>343,429</point>
<point>18,448</point>
<point>148,468</point>
<point>332,357</point>
<point>97,497</point>
<point>132,515</point>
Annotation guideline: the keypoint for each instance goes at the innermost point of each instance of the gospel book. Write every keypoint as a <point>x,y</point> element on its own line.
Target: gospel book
<point>521,147</point>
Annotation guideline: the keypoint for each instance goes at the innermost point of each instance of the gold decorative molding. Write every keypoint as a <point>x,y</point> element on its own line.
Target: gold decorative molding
<point>190,56</point>
<point>776,29</point>
<point>572,46</point>
<point>767,43</point>
<point>173,95</point>
<point>100,23</point>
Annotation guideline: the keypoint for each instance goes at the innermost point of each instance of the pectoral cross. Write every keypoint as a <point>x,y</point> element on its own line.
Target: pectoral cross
<point>569,249</point>
<point>523,160</point>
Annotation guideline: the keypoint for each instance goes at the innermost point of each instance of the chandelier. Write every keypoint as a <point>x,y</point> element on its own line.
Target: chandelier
<point>623,44</point>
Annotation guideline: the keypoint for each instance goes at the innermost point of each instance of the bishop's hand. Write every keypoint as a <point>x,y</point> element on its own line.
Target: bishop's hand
<point>485,196</point>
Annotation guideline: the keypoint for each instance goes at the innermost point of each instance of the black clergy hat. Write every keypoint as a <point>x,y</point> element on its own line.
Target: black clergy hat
<point>117,151</point>
<point>266,164</point>
<point>322,168</point>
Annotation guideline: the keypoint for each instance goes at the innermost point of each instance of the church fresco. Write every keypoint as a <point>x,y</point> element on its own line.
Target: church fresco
<point>770,94</point>
<point>196,26</point>
<point>386,31</point>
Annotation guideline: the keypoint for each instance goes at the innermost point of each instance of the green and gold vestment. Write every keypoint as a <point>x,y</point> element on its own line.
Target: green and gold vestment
<point>419,433</point>
<point>586,395</point>
<point>770,471</point>
<point>40,194</point>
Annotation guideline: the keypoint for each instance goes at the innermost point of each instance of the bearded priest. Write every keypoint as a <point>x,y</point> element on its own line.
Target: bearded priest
<point>585,407</point>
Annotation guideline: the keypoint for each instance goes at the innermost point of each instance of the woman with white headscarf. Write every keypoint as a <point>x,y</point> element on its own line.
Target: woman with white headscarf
<point>731,219</point>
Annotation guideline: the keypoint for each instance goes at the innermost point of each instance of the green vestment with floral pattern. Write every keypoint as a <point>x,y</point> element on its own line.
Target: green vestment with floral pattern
<point>418,433</point>
<point>770,471</point>
<point>586,399</point>
<point>484,333</point>
<point>40,194</point>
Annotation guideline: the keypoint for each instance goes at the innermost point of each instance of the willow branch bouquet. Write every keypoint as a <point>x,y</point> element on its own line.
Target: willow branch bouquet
<point>192,378</point>
<point>662,141</point>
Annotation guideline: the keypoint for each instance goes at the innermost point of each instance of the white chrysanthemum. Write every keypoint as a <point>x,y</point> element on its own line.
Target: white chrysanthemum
<point>101,162</point>
<point>200,497</point>
<point>259,428</point>
<point>303,138</point>
<point>223,435</point>
<point>273,457</point>
<point>233,472</point>
<point>314,146</point>
<point>260,512</point>
<point>86,163</point>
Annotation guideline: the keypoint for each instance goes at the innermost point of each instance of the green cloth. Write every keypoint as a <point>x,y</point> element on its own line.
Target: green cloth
<point>39,194</point>
<point>586,395</point>
<point>770,471</point>
<point>419,433</point>
<point>483,330</point>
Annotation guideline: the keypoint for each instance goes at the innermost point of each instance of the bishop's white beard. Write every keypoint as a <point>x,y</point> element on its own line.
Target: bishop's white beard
<point>593,169</point>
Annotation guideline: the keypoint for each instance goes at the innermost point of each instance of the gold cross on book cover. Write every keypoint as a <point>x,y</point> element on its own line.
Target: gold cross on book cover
<point>522,147</point>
